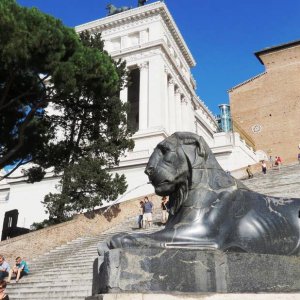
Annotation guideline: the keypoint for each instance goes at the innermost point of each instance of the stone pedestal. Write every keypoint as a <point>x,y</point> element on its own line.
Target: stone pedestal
<point>194,271</point>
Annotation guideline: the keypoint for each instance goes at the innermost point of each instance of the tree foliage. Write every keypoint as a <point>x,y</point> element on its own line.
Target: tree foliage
<point>60,108</point>
<point>33,47</point>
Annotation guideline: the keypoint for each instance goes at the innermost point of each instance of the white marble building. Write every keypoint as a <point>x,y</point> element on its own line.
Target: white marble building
<point>162,95</point>
<point>162,98</point>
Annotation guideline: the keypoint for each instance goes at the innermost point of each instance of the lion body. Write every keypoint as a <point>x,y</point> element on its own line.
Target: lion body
<point>211,209</point>
<point>239,219</point>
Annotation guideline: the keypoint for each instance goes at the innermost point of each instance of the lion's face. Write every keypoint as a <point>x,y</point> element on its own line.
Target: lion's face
<point>167,167</point>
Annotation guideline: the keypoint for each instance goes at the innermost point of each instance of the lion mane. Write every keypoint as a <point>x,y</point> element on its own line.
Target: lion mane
<point>198,168</point>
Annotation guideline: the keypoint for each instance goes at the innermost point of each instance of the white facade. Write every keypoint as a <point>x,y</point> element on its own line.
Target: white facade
<point>149,40</point>
<point>232,152</point>
<point>26,197</point>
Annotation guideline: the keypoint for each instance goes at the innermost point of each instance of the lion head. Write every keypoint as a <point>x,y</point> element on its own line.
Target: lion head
<point>181,162</point>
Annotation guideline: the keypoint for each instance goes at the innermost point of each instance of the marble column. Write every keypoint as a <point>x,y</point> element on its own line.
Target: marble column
<point>172,111</point>
<point>143,101</point>
<point>184,114</point>
<point>178,109</point>
<point>166,99</point>
<point>124,42</point>
<point>192,116</point>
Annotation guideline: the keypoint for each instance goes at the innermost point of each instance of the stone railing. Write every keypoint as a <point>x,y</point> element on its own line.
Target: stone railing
<point>38,242</point>
<point>244,135</point>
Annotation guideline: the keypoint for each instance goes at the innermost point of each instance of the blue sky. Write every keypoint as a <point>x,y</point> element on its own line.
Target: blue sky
<point>222,34</point>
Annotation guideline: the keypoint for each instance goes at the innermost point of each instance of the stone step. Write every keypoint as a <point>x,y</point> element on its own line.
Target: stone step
<point>38,297</point>
<point>69,255</point>
<point>44,285</point>
<point>38,282</point>
<point>278,183</point>
<point>45,294</point>
<point>54,276</point>
<point>72,246</point>
<point>66,272</point>
<point>37,267</point>
<point>66,290</point>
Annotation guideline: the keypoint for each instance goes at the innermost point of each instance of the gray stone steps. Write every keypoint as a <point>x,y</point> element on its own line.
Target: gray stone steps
<point>53,288</point>
<point>59,275</point>
<point>279,183</point>
<point>66,272</point>
<point>46,282</point>
<point>49,264</point>
<point>47,293</point>
<point>38,297</point>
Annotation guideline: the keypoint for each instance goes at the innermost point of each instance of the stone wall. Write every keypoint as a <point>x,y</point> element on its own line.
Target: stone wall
<point>267,106</point>
<point>38,242</point>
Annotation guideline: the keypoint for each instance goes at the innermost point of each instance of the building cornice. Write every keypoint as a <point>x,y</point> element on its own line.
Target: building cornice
<point>161,44</point>
<point>275,49</point>
<point>138,14</point>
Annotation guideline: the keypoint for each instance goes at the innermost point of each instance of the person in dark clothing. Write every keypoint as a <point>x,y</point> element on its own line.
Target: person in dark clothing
<point>141,214</point>
<point>148,207</point>
<point>249,172</point>
<point>3,295</point>
<point>264,167</point>
<point>164,208</point>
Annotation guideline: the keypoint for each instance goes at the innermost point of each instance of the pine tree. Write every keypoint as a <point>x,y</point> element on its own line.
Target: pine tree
<point>60,108</point>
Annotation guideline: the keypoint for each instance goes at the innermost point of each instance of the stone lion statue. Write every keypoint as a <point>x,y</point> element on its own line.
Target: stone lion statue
<point>211,209</point>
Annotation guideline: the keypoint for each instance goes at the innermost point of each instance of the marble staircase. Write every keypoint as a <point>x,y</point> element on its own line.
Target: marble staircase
<point>66,272</point>
<point>283,182</point>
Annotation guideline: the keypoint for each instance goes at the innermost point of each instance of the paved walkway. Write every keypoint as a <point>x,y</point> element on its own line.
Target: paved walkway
<point>280,183</point>
<point>208,296</point>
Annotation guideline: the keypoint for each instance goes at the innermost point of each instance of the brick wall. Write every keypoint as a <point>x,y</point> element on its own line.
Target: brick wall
<point>271,102</point>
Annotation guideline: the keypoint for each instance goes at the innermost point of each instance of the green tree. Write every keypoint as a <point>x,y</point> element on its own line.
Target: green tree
<point>94,122</point>
<point>34,49</point>
<point>60,108</point>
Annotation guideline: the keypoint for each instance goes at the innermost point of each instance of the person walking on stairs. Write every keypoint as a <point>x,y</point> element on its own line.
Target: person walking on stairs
<point>164,210</point>
<point>141,214</point>
<point>249,172</point>
<point>264,167</point>
<point>148,207</point>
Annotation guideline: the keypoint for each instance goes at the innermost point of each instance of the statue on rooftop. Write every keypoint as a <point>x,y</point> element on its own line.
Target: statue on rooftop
<point>141,2</point>
<point>112,10</point>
